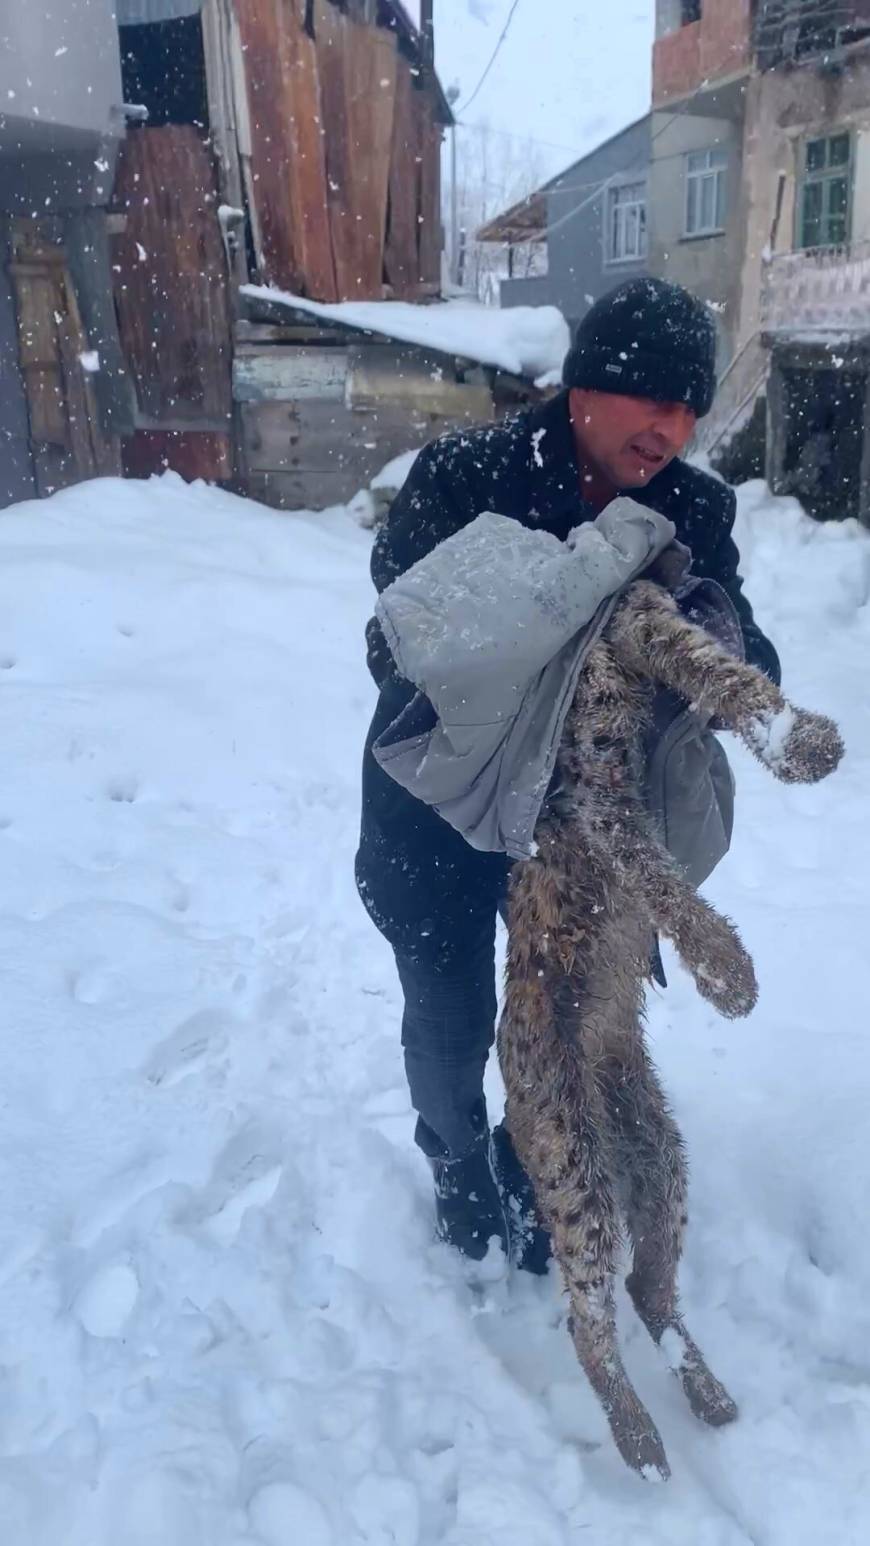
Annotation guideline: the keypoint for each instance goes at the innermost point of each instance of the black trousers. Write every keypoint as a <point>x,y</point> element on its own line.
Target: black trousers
<point>435,900</point>
<point>448,1029</point>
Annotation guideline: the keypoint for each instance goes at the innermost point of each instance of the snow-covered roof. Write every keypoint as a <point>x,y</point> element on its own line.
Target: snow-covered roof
<point>529,341</point>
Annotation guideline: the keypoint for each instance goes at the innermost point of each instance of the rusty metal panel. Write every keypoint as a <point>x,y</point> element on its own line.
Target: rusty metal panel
<point>287,186</point>
<point>171,284</point>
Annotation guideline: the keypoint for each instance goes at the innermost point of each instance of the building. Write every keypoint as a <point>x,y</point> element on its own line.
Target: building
<point>292,143</point>
<point>701,66</point>
<point>805,285</point>
<point>781,172</point>
<point>61,126</point>
<point>592,220</point>
<point>162,157</point>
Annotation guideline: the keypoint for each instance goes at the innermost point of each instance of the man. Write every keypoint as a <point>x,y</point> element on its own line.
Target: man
<point>639,376</point>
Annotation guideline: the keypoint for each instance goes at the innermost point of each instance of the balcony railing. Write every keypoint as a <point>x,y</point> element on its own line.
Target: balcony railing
<point>822,289</point>
<point>793,31</point>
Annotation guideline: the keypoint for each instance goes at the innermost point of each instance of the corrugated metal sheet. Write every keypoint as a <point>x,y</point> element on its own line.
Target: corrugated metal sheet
<point>137,13</point>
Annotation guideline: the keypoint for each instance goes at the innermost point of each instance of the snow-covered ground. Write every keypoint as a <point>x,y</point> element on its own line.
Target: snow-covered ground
<point>223,1321</point>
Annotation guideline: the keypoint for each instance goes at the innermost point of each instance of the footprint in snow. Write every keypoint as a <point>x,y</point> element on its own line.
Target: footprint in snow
<point>105,1208</point>
<point>198,1042</point>
<point>246,1175</point>
<point>123,791</point>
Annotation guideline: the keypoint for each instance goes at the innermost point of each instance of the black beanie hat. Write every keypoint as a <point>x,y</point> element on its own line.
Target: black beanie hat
<point>647,338</point>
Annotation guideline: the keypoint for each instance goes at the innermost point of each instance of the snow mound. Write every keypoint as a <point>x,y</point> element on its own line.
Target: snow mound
<point>223,1320</point>
<point>527,341</point>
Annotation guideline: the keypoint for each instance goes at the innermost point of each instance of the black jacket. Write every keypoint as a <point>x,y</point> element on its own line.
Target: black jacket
<point>417,877</point>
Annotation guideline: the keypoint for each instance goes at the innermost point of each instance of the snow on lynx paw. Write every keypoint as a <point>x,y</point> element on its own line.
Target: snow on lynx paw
<point>799,747</point>
<point>730,986</point>
<point>712,950</point>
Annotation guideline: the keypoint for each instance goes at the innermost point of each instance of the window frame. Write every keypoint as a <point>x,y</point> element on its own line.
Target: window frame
<point>823,177</point>
<point>620,259</point>
<point>717,172</point>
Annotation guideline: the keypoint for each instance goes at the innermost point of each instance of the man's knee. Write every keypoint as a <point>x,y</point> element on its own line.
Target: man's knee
<point>450,1011</point>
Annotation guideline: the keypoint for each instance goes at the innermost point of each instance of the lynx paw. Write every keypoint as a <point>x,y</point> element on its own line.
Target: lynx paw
<point>636,1435</point>
<point>721,966</point>
<point>799,747</point>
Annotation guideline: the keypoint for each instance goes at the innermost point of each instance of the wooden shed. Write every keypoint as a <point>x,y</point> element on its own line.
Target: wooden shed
<point>296,143</point>
<point>323,401</point>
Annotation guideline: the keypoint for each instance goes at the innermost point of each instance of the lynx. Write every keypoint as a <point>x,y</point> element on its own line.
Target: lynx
<point>584,1104</point>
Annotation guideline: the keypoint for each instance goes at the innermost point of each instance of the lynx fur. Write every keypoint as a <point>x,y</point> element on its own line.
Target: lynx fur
<point>584,1104</point>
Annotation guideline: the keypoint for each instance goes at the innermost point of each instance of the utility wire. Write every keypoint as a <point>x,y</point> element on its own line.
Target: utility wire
<point>607,182</point>
<point>497,50</point>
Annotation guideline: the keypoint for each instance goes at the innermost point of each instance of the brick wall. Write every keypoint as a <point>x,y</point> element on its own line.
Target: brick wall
<point>677,63</point>
<point>726,32</point>
<point>718,45</point>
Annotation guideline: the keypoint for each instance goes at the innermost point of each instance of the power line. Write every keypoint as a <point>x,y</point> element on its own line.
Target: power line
<point>496,51</point>
<point>607,182</point>
<point>485,127</point>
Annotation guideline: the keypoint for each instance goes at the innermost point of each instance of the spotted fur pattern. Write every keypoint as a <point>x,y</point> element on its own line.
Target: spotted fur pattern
<point>584,1103</point>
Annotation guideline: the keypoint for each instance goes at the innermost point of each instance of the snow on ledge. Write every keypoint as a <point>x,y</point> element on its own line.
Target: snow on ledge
<point>529,341</point>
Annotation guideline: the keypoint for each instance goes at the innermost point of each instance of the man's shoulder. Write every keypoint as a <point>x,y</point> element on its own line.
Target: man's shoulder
<point>484,448</point>
<point>692,497</point>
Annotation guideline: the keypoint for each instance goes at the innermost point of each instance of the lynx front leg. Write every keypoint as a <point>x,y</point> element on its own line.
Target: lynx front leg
<point>649,634</point>
<point>653,1163</point>
<point>556,1118</point>
<point>708,944</point>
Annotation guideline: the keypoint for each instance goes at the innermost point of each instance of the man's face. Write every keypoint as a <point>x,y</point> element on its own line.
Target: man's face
<point>630,439</point>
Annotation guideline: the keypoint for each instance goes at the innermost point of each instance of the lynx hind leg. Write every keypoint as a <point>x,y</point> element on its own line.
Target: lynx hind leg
<point>559,1127</point>
<point>653,1165</point>
<point>798,747</point>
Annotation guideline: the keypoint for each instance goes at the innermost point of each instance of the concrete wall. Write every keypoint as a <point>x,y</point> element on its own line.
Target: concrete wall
<point>77,89</point>
<point>60,103</point>
<point>783,108</point>
<point>577,269</point>
<point>708,265</point>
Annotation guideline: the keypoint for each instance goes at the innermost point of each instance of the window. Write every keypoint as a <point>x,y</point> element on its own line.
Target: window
<point>705,192</point>
<point>690,11</point>
<point>826,192</point>
<point>626,223</point>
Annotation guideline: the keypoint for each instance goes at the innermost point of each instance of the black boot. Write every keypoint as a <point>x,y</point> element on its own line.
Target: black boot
<point>530,1243</point>
<point>468,1204</point>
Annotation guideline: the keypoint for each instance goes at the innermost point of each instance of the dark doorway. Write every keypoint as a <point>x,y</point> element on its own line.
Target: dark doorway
<point>824,439</point>
<point>163,69</point>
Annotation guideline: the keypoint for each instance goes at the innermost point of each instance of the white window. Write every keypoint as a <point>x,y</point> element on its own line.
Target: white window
<point>705,191</point>
<point>626,223</point>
